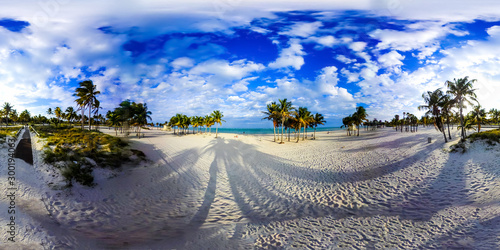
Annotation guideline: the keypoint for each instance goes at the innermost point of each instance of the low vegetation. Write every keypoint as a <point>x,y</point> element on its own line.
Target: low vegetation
<point>76,152</point>
<point>8,131</point>
<point>492,137</point>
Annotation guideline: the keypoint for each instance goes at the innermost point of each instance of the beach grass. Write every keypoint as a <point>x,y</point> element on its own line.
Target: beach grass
<point>8,131</point>
<point>76,152</point>
<point>491,137</point>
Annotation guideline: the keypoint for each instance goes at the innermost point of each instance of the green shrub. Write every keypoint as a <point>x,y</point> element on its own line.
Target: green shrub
<point>73,145</point>
<point>78,172</point>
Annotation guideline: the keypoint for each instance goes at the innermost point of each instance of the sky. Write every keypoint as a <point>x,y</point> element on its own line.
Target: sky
<point>236,56</point>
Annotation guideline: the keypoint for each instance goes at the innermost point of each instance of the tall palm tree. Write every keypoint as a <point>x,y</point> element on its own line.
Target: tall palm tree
<point>446,103</point>
<point>318,120</point>
<point>462,92</point>
<point>141,116</point>
<point>284,109</point>
<point>7,108</point>
<point>217,116</point>
<point>478,115</point>
<point>272,114</point>
<point>433,103</point>
<point>359,116</point>
<point>86,94</point>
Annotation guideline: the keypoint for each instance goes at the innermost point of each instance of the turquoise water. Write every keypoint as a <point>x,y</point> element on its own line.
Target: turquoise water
<point>260,131</point>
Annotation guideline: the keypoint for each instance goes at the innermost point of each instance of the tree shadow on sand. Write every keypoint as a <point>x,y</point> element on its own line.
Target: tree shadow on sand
<point>255,184</point>
<point>268,188</point>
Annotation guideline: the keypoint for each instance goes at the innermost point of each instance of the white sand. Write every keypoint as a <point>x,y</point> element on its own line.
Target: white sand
<point>384,189</point>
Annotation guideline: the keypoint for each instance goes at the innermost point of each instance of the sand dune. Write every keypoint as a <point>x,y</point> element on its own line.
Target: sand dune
<point>384,189</point>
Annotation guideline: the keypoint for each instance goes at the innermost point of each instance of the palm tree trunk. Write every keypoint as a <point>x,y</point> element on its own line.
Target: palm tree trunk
<point>289,134</point>
<point>449,134</point>
<point>462,119</point>
<point>282,126</point>
<point>216,130</point>
<point>314,137</point>
<point>274,127</point>
<point>90,118</point>
<point>298,135</point>
<point>82,116</point>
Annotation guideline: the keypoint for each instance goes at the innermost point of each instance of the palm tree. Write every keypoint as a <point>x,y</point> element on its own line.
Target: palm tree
<point>113,120</point>
<point>468,124</point>
<point>284,109</point>
<point>272,114</point>
<point>303,118</point>
<point>49,111</point>
<point>217,116</point>
<point>478,115</point>
<point>446,103</point>
<point>495,115</point>
<point>462,92</point>
<point>347,123</point>
<point>86,94</point>
<point>70,114</point>
<point>58,113</point>
<point>25,116</point>
<point>14,116</point>
<point>433,103</point>
<point>359,116</point>
<point>209,122</point>
<point>141,116</point>
<point>318,120</point>
<point>7,108</point>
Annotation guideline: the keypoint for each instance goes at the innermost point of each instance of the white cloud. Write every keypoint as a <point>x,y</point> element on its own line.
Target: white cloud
<point>357,46</point>
<point>182,62</point>
<point>290,57</point>
<point>326,41</point>
<point>302,29</point>
<point>345,60</point>
<point>391,60</point>
<point>234,98</point>
<point>223,71</point>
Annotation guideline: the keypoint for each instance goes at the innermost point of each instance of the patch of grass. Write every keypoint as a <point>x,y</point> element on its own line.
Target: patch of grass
<point>69,146</point>
<point>79,173</point>
<point>8,131</point>
<point>491,137</point>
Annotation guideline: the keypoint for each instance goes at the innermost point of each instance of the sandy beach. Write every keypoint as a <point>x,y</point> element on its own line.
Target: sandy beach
<point>383,189</point>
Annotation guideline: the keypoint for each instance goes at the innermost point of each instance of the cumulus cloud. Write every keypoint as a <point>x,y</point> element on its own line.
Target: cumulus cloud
<point>302,29</point>
<point>290,57</point>
<point>391,60</point>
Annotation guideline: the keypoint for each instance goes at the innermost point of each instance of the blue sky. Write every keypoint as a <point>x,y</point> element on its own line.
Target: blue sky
<point>236,56</point>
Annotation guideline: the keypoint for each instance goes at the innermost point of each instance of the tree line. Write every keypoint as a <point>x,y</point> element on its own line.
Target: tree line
<point>284,115</point>
<point>460,92</point>
<point>181,121</point>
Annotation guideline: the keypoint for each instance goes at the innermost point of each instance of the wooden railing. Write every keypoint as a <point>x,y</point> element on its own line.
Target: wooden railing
<point>34,131</point>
